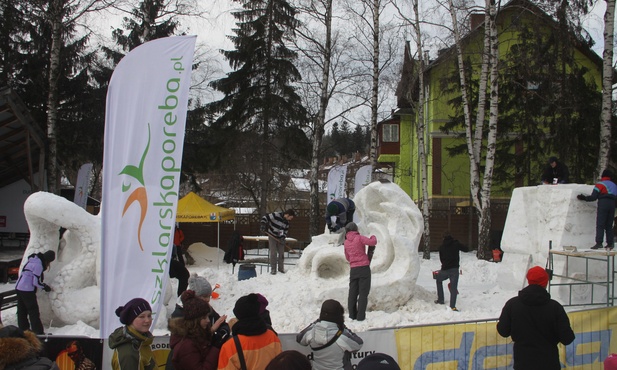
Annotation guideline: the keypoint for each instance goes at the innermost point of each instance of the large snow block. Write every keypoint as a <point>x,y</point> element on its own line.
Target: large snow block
<point>539,216</point>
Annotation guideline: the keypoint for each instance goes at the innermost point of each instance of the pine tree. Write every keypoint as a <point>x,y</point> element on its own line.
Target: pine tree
<point>150,20</point>
<point>26,35</point>
<point>259,96</point>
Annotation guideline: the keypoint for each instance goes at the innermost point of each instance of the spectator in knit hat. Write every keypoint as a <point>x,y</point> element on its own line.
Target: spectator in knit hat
<point>131,343</point>
<point>289,360</point>
<point>203,290</point>
<point>378,361</point>
<point>20,350</point>
<point>259,344</point>
<point>263,310</point>
<point>331,341</point>
<point>30,280</point>
<point>191,336</point>
<point>536,324</point>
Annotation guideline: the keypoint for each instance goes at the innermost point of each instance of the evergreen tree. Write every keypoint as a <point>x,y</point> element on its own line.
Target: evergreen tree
<point>359,140</point>
<point>11,18</point>
<point>26,35</point>
<point>547,107</point>
<point>345,146</point>
<point>550,106</point>
<point>150,20</point>
<point>259,96</point>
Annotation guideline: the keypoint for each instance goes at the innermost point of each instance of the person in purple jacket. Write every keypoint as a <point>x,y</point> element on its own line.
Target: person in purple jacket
<point>29,281</point>
<point>360,274</point>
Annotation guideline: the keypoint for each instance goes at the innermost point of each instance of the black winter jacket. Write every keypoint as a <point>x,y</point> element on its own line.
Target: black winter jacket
<point>536,324</point>
<point>448,253</point>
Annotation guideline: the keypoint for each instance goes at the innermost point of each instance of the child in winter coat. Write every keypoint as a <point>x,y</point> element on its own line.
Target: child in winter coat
<point>191,336</point>
<point>331,341</point>
<point>131,343</point>
<point>360,273</point>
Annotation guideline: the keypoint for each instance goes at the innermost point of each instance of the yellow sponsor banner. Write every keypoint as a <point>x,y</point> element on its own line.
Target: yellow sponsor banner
<point>478,346</point>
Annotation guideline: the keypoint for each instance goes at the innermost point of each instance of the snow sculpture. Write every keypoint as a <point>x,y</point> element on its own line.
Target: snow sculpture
<point>543,215</point>
<point>75,268</point>
<point>387,212</point>
<point>75,273</point>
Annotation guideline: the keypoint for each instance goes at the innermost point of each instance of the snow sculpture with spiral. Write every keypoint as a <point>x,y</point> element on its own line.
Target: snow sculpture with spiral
<point>386,211</point>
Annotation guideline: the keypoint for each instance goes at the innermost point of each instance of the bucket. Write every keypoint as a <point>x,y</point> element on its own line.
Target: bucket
<point>246,271</point>
<point>496,255</point>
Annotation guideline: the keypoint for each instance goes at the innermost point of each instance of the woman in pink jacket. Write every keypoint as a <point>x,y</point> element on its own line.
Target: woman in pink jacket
<point>360,274</point>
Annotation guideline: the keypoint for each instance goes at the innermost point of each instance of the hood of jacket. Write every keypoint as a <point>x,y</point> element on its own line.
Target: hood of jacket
<point>322,332</point>
<point>534,295</point>
<point>352,236</point>
<point>14,350</point>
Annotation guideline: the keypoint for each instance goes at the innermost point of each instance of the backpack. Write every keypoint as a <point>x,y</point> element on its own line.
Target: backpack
<point>235,252</point>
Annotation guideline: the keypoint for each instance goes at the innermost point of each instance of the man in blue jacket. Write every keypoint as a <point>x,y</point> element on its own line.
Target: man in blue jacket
<point>604,192</point>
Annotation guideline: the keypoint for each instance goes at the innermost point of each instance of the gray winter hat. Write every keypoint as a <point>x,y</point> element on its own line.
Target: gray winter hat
<point>351,226</point>
<point>200,285</point>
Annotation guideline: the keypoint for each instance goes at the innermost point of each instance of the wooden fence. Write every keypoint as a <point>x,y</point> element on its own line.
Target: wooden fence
<point>446,214</point>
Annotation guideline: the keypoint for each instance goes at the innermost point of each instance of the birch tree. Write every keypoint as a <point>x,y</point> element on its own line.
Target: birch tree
<point>60,15</point>
<point>607,88</point>
<point>328,74</point>
<point>414,91</point>
<point>321,13</point>
<point>421,132</point>
<point>474,133</point>
<point>376,48</point>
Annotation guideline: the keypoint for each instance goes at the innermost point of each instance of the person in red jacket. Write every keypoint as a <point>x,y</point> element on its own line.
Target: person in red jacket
<point>360,273</point>
<point>191,336</point>
<point>536,324</point>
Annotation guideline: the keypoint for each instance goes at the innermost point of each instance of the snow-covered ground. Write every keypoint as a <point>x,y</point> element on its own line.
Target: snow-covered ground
<point>402,292</point>
<point>479,296</point>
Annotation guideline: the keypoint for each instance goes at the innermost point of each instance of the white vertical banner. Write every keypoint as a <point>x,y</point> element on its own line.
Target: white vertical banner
<point>363,178</point>
<point>82,185</point>
<point>145,118</point>
<point>336,182</point>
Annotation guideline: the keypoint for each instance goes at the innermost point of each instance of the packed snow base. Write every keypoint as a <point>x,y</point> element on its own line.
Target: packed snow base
<point>403,290</point>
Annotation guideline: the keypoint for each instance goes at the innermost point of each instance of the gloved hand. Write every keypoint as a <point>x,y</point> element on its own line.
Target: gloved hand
<point>581,197</point>
<point>262,230</point>
<point>371,251</point>
<point>46,288</point>
<point>331,228</point>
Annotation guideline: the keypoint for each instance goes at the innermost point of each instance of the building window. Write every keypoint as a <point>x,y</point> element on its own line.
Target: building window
<point>390,133</point>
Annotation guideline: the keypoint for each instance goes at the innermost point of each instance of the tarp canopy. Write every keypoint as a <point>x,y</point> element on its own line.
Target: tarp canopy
<point>193,208</point>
